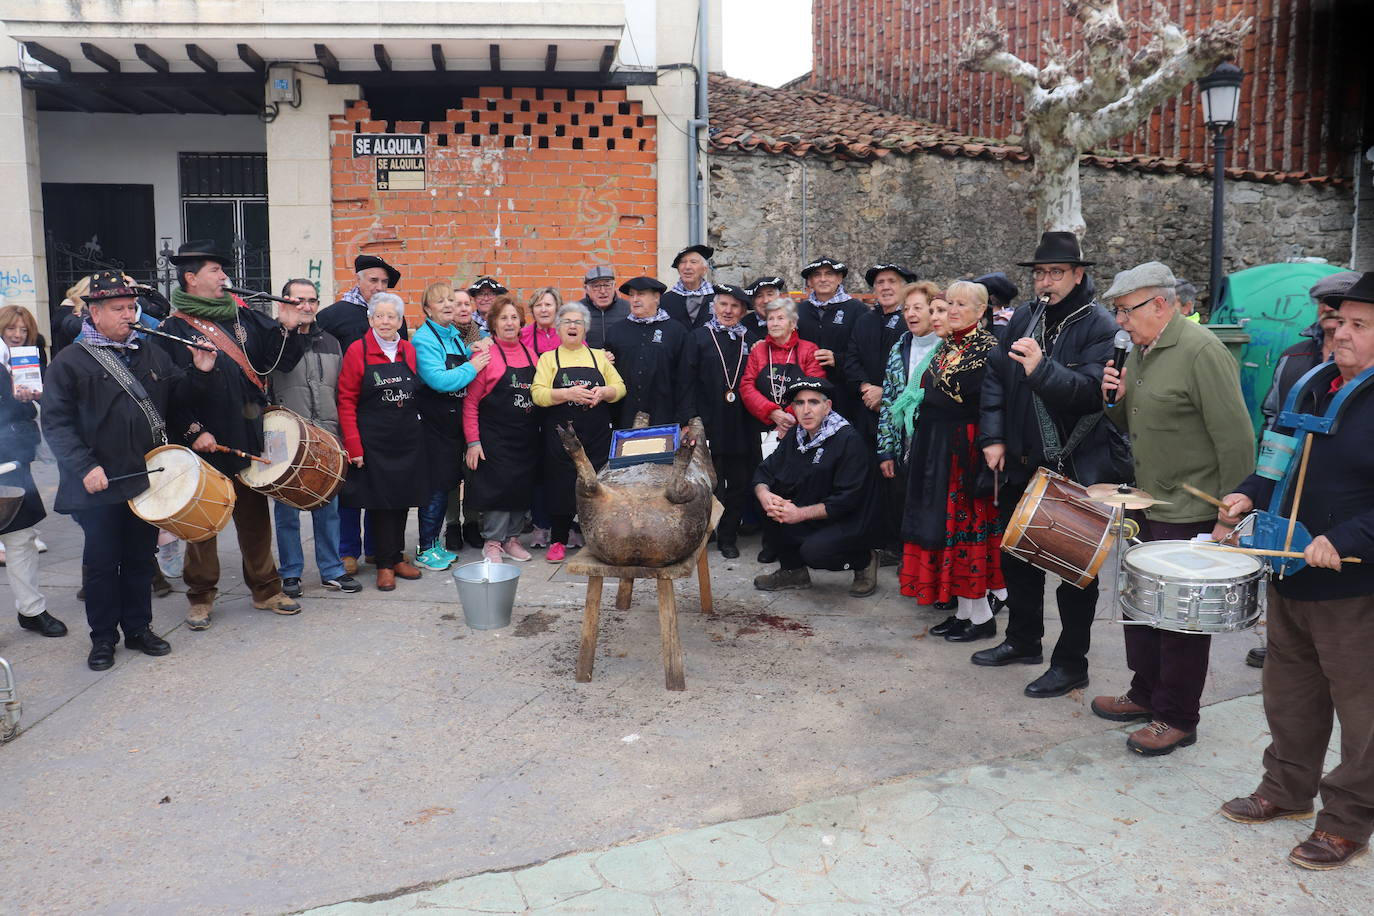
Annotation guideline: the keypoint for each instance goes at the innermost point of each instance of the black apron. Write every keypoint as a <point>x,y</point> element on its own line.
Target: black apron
<point>510,440</point>
<point>393,472</point>
<point>441,413</point>
<point>593,427</point>
<point>773,379</point>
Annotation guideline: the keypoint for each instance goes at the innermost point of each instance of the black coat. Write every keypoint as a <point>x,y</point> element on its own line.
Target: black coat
<point>649,359</point>
<point>841,476</point>
<point>873,337</point>
<point>90,421</point>
<point>831,329</point>
<point>19,438</point>
<point>603,319</point>
<point>347,321</point>
<point>1069,382</point>
<point>675,304</point>
<point>234,412</point>
<point>730,429</point>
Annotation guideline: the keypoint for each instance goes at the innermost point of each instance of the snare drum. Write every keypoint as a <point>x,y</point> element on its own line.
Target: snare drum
<point>307,464</point>
<point>186,497</point>
<point>1177,586</point>
<point>1056,528</point>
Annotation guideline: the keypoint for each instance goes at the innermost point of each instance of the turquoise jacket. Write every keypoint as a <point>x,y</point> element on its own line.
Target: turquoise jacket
<point>433,345</point>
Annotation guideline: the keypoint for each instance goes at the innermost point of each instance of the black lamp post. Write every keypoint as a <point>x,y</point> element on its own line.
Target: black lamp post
<point>1220,104</point>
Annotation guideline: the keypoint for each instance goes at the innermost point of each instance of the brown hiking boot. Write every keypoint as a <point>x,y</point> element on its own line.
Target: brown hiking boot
<point>198,617</point>
<point>1158,739</point>
<point>781,579</point>
<point>866,579</point>
<point>278,604</point>
<point>1118,709</point>
<point>386,580</point>
<point>1324,851</point>
<point>1253,809</point>
<point>405,570</point>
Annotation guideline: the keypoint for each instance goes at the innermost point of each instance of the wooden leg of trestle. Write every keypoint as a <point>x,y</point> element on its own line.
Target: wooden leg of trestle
<point>591,616</point>
<point>623,594</point>
<point>667,630</point>
<point>704,582</point>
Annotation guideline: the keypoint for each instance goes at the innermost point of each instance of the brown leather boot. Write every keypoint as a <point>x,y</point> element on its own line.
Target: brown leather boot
<point>1118,709</point>
<point>1158,739</point>
<point>1253,809</point>
<point>406,571</point>
<point>386,580</point>
<point>1324,851</point>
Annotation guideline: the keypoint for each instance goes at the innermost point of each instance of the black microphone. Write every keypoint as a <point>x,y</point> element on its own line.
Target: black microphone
<point>1121,342</point>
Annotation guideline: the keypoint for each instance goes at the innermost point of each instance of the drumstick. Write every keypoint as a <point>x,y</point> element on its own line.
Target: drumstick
<point>1205,497</point>
<point>1264,552</point>
<point>134,474</point>
<point>233,451</point>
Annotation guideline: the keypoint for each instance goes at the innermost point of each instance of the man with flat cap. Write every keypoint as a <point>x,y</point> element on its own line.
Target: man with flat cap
<point>605,306</point>
<point>648,347</point>
<point>817,494</point>
<point>763,291</point>
<point>1178,397</point>
<point>1320,619</point>
<point>875,332</point>
<point>1042,407</point>
<point>484,291</point>
<point>346,320</point>
<point>689,301</point>
<point>826,317</point>
<point>251,347</point>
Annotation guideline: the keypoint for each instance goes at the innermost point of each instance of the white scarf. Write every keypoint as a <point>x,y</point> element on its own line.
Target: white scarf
<point>389,347</point>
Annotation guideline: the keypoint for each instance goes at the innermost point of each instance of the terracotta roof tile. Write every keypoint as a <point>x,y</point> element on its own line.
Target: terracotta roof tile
<point>800,120</point>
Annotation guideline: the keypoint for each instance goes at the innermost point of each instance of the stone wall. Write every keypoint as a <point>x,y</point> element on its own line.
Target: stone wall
<point>947,218</point>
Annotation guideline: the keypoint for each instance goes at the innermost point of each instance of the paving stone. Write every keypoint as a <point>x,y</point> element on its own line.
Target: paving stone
<point>1048,860</point>
<point>645,868</point>
<point>1031,897</point>
<point>716,854</point>
<point>812,848</point>
<point>793,886</point>
<point>549,883</point>
<point>947,906</point>
<point>762,829</point>
<point>604,902</point>
<point>886,875</point>
<point>950,833</point>
<point>712,898</point>
<point>969,875</point>
<point>487,893</point>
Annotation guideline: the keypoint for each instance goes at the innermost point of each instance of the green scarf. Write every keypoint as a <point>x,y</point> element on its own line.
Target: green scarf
<point>907,403</point>
<point>221,309</point>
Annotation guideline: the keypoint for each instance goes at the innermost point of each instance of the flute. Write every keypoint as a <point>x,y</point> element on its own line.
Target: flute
<point>190,343</point>
<point>253,294</point>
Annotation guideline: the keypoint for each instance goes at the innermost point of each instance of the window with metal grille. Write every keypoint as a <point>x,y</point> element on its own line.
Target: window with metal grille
<point>224,198</point>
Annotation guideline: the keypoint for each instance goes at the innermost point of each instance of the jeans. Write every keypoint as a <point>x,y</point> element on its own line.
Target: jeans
<point>325,522</point>
<point>431,518</point>
<point>355,533</point>
<point>21,561</point>
<point>117,568</point>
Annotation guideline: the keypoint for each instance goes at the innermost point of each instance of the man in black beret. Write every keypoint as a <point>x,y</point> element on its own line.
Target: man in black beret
<point>648,347</point>
<point>826,317</point>
<point>1002,295</point>
<point>817,494</point>
<point>346,319</point>
<point>689,301</point>
<point>763,290</point>
<point>875,331</point>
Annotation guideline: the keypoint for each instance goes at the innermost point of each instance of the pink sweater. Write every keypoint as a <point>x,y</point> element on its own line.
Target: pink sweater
<point>540,340</point>
<point>516,357</point>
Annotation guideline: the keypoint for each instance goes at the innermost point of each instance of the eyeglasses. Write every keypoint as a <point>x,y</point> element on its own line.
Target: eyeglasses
<point>1118,312</point>
<point>576,321</point>
<point>1054,273</point>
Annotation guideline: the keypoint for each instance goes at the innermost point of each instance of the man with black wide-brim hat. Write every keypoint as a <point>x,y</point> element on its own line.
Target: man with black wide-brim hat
<point>826,317</point>
<point>1042,408</point>
<point>251,346</point>
<point>346,319</point>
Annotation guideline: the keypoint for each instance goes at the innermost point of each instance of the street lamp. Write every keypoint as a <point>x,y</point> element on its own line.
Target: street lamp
<point>1220,104</point>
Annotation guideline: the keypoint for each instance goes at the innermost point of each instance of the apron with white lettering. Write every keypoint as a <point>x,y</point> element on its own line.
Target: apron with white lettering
<point>393,472</point>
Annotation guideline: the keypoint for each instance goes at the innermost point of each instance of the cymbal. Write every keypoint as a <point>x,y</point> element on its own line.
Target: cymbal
<point>1112,494</point>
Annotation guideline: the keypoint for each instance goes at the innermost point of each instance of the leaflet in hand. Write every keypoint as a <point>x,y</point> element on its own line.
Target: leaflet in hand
<point>24,368</point>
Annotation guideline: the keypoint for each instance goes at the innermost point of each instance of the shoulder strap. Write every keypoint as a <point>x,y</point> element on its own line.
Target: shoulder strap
<point>132,387</point>
<point>225,344</point>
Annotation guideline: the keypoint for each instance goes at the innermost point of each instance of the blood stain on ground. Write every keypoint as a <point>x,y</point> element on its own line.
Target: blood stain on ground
<point>786,624</point>
<point>534,624</point>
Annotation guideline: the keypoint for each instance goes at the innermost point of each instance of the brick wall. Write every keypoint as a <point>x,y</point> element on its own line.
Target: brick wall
<point>1300,103</point>
<point>527,185</point>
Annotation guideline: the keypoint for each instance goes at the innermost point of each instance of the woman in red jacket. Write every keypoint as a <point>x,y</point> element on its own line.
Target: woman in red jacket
<point>779,360</point>
<point>381,429</point>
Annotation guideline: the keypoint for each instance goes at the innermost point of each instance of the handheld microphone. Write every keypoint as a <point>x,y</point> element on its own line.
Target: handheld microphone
<point>1121,342</point>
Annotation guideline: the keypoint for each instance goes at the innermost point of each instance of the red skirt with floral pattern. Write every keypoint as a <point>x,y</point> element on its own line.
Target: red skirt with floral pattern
<point>970,563</point>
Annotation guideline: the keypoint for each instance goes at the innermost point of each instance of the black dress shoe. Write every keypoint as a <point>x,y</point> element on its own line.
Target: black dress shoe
<point>1005,654</point>
<point>44,623</point>
<point>768,555</point>
<point>997,604</point>
<point>147,642</point>
<point>949,605</point>
<point>1056,682</point>
<point>729,551</point>
<point>950,624</point>
<point>974,632</point>
<point>101,657</point>
<point>291,587</point>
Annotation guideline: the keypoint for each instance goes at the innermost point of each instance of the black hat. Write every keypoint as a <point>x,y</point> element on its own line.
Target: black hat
<point>807,384</point>
<point>999,287</point>
<point>486,284</point>
<point>648,284</point>
<point>838,266</point>
<point>872,273</point>
<point>201,250</point>
<point>110,284</point>
<point>1362,291</point>
<point>1057,248</point>
<point>735,292</point>
<point>706,251</point>
<point>778,282</point>
<point>368,261</point>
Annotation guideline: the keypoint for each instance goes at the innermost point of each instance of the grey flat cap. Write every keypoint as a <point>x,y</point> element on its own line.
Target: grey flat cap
<point>1150,275</point>
<point>599,272</point>
<point>1333,285</point>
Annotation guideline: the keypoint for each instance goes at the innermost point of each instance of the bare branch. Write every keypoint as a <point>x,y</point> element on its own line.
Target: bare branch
<point>1104,35</point>
<point>985,49</point>
<point>1166,40</point>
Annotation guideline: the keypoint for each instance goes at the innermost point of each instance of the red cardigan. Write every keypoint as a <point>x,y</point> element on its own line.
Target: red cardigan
<point>351,382</point>
<point>802,352</point>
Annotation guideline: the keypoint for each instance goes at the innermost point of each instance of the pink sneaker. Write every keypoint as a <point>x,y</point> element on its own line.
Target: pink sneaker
<point>556,553</point>
<point>515,550</point>
<point>491,550</point>
<point>540,537</point>
<point>575,538</point>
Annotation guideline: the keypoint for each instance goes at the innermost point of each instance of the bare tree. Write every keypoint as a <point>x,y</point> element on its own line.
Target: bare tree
<point>1113,91</point>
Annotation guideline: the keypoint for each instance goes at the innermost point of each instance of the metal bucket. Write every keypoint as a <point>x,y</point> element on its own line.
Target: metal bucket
<point>487,592</point>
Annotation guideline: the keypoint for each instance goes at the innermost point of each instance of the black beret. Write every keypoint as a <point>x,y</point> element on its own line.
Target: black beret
<point>648,284</point>
<point>368,261</point>
<point>706,251</point>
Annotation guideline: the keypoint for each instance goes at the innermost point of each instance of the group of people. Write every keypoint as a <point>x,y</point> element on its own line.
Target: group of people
<point>851,435</point>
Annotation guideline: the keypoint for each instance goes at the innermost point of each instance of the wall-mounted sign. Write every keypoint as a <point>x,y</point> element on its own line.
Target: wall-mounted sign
<point>388,145</point>
<point>400,173</point>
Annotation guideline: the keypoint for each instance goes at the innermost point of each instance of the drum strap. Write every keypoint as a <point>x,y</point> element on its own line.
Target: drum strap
<point>225,345</point>
<point>121,374</point>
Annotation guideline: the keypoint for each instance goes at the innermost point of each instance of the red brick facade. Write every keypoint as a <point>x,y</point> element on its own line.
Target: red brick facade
<point>902,55</point>
<point>526,185</point>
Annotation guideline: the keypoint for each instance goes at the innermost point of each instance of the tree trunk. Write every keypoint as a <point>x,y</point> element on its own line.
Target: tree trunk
<point>1058,201</point>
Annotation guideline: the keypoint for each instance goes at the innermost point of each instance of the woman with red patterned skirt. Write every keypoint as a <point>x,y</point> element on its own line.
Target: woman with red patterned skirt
<point>950,526</point>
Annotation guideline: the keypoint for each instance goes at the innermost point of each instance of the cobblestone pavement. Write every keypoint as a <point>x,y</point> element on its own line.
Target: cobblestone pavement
<point>1085,827</point>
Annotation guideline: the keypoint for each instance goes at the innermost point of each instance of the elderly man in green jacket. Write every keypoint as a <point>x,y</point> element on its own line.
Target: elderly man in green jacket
<point>1178,398</point>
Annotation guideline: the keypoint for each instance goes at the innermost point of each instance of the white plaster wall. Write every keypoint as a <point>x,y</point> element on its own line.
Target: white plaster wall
<point>140,149</point>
